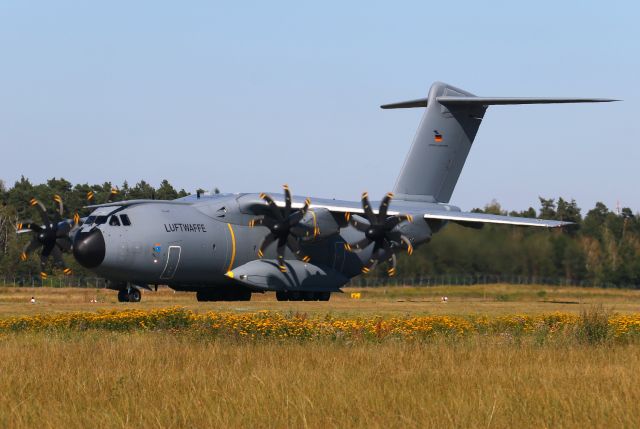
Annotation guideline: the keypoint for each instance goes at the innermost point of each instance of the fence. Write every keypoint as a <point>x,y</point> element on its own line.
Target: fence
<point>360,281</point>
<point>480,279</point>
<point>63,281</point>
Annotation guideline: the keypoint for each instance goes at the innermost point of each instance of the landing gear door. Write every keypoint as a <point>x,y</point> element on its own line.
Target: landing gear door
<point>173,259</point>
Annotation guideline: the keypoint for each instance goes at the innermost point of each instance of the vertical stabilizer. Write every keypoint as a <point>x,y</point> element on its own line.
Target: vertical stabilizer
<point>445,135</point>
<point>440,147</point>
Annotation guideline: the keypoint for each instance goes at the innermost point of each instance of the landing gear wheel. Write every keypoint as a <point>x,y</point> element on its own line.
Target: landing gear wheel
<point>134,295</point>
<point>282,295</point>
<point>123,295</point>
<point>309,296</point>
<point>295,295</point>
<point>323,296</point>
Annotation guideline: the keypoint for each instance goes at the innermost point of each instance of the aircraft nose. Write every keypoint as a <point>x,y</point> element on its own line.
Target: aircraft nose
<point>89,248</point>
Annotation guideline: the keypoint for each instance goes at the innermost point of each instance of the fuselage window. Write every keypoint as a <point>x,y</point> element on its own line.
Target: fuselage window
<point>89,220</point>
<point>125,220</point>
<point>113,221</point>
<point>100,220</point>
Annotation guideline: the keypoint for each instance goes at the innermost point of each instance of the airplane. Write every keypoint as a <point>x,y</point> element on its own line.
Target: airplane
<point>225,247</point>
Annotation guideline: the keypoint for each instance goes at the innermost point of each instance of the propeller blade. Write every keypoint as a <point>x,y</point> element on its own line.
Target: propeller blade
<point>57,258</point>
<point>394,221</point>
<point>43,211</point>
<point>366,206</point>
<point>270,238</point>
<point>282,245</point>
<point>275,210</point>
<point>58,199</point>
<point>90,197</point>
<point>359,223</point>
<point>391,271</point>
<point>28,248</point>
<point>47,249</point>
<point>287,200</point>
<point>294,246</point>
<point>76,218</point>
<point>28,224</point>
<point>384,207</point>
<point>407,244</point>
<point>369,266</point>
<point>359,245</point>
<point>113,194</point>
<point>262,221</point>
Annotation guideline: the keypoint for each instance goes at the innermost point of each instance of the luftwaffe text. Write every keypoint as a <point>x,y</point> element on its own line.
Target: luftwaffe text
<point>184,227</point>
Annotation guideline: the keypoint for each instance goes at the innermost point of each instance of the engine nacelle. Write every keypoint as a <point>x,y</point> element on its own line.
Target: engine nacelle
<point>317,224</point>
<point>416,230</point>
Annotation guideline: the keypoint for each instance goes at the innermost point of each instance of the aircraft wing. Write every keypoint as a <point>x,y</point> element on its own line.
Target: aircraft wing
<point>428,211</point>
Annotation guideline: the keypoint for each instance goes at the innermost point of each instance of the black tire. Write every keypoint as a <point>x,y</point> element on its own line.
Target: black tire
<point>135,295</point>
<point>282,295</point>
<point>295,295</point>
<point>323,296</point>
<point>309,296</point>
<point>123,296</point>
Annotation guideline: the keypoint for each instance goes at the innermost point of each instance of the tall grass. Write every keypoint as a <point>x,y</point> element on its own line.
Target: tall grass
<point>159,379</point>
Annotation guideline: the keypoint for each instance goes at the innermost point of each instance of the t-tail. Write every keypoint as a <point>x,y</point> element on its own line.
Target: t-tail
<point>444,137</point>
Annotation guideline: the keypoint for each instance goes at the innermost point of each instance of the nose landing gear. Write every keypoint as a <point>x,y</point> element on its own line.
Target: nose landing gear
<point>131,294</point>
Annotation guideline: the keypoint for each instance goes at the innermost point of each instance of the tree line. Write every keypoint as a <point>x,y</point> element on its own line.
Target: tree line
<point>602,248</point>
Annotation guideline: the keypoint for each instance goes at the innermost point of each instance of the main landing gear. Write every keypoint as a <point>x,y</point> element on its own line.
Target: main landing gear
<point>129,295</point>
<point>296,295</point>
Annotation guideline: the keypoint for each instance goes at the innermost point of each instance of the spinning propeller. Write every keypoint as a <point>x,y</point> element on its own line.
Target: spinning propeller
<point>282,223</point>
<point>52,236</point>
<point>380,230</point>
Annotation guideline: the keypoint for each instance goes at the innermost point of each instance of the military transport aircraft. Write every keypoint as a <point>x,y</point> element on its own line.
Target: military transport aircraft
<point>228,246</point>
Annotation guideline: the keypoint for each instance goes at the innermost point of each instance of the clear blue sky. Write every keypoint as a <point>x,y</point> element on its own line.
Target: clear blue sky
<point>247,96</point>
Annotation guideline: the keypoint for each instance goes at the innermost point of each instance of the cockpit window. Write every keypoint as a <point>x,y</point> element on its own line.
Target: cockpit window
<point>89,220</point>
<point>100,220</point>
<point>125,220</point>
<point>113,221</point>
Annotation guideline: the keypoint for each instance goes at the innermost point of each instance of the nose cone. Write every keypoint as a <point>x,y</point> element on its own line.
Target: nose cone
<point>89,248</point>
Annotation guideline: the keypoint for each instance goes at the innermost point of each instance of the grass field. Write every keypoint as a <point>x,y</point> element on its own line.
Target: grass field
<point>164,378</point>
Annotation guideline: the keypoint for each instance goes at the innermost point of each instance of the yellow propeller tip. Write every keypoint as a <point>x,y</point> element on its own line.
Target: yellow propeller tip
<point>229,274</point>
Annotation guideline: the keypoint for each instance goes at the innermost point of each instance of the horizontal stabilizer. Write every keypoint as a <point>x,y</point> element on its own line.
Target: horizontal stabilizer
<point>496,101</point>
<point>492,101</point>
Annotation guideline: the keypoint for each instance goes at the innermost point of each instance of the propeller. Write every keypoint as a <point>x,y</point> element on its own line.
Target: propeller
<point>52,236</point>
<point>282,223</point>
<point>379,229</point>
<point>91,196</point>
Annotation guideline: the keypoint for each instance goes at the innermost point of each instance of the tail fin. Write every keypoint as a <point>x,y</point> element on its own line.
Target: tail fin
<point>445,136</point>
